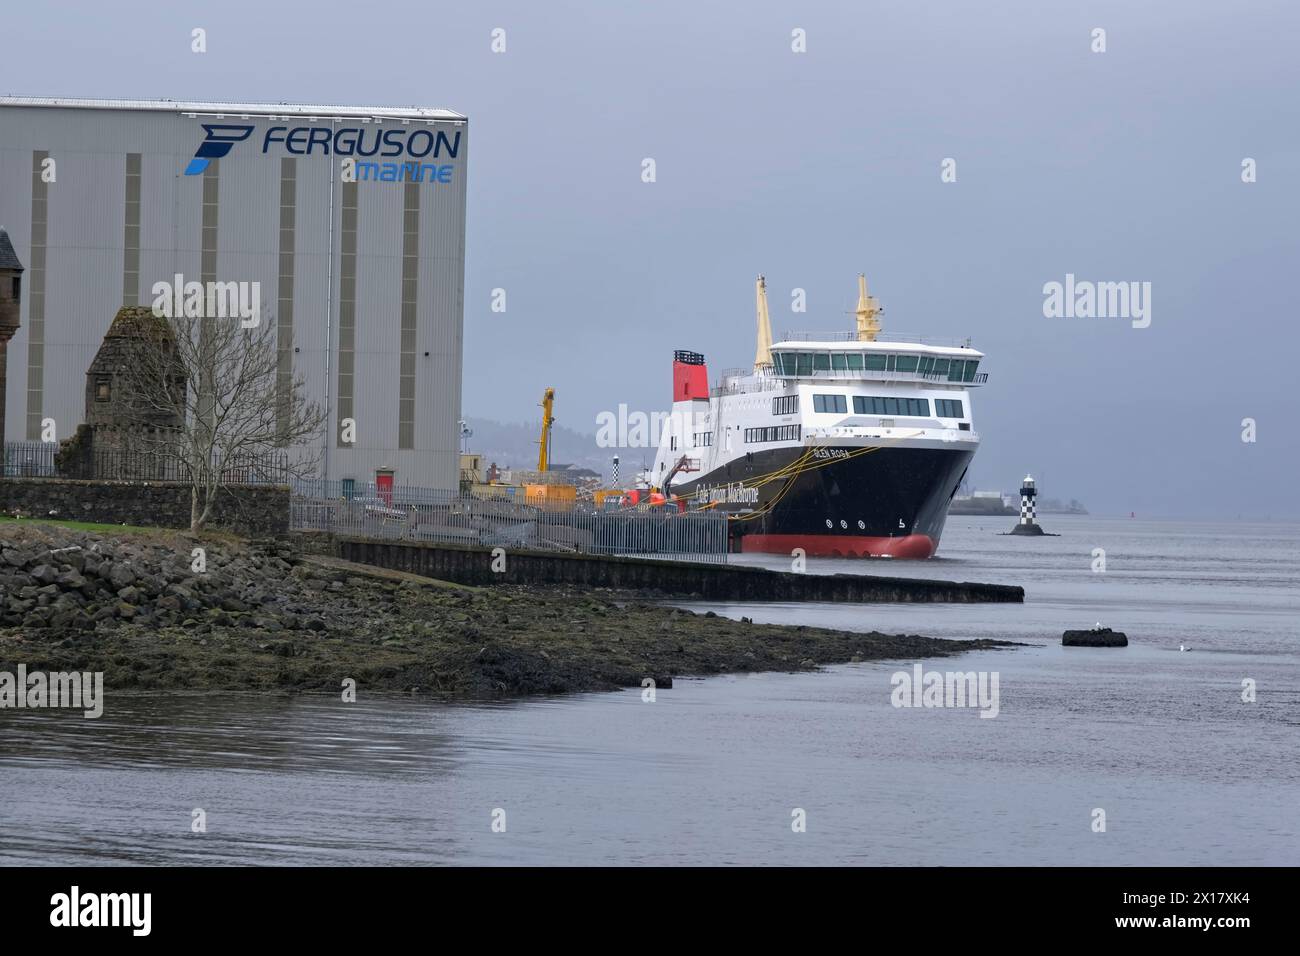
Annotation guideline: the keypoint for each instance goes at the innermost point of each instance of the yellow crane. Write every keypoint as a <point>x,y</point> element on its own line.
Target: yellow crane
<point>544,443</point>
<point>763,355</point>
<point>543,492</point>
<point>868,312</point>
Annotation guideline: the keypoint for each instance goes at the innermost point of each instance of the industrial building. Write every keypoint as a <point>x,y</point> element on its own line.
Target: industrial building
<point>349,220</point>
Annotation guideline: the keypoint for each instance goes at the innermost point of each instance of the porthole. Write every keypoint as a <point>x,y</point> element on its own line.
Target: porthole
<point>862,524</point>
<point>829,523</point>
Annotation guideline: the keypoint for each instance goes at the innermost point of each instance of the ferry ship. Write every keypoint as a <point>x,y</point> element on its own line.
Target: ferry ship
<point>843,444</point>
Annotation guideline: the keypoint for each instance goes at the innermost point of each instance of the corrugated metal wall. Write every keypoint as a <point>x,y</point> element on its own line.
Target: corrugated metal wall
<point>90,224</point>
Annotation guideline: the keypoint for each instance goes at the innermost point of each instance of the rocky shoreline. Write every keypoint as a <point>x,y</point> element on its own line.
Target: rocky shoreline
<point>261,615</point>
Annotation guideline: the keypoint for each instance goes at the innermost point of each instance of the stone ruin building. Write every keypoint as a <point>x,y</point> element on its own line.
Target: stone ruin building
<point>131,428</point>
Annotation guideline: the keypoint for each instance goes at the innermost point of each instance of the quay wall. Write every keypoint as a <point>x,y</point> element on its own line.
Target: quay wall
<point>473,564</point>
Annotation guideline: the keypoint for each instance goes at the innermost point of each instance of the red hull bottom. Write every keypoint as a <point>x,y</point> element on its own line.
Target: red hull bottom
<point>907,547</point>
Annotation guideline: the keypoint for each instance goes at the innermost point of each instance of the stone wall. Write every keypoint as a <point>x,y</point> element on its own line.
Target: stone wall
<point>468,564</point>
<point>245,509</point>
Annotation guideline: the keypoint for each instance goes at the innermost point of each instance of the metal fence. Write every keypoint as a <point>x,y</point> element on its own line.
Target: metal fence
<point>423,514</point>
<point>34,459</point>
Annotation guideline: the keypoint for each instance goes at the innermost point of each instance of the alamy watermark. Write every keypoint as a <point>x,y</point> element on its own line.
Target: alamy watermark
<point>130,910</point>
<point>921,688</point>
<point>636,429</point>
<point>78,690</point>
<point>1084,299</point>
<point>208,300</point>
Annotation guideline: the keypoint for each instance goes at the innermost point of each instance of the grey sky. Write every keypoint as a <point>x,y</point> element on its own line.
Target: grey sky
<point>1123,165</point>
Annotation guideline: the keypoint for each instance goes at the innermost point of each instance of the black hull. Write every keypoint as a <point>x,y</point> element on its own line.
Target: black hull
<point>891,501</point>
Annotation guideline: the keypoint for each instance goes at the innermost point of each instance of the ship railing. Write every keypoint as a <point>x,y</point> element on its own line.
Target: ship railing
<point>979,378</point>
<point>764,374</point>
<point>745,388</point>
<point>856,375</point>
<point>902,338</point>
<point>742,381</point>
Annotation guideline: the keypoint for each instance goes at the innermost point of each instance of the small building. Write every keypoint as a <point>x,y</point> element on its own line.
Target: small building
<point>11,297</point>
<point>135,403</point>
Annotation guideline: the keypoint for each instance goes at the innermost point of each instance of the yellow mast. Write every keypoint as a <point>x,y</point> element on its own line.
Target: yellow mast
<point>544,443</point>
<point>763,355</point>
<point>868,309</point>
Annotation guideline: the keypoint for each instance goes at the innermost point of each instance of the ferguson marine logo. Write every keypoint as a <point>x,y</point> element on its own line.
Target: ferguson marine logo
<point>345,141</point>
<point>220,137</point>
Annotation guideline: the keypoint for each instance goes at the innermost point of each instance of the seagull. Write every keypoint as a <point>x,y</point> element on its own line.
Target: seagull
<point>1182,647</point>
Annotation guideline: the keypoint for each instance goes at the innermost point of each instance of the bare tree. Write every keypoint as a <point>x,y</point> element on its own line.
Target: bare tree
<point>219,398</point>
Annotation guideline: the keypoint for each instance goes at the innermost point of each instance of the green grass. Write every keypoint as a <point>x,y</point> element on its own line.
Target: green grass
<point>82,525</point>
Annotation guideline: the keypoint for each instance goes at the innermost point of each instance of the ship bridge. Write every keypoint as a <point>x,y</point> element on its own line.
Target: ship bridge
<point>842,355</point>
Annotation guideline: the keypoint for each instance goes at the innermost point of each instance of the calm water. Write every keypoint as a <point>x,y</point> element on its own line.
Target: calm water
<point>710,773</point>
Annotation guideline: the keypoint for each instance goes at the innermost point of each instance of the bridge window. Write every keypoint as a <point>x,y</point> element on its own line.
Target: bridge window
<point>821,361</point>
<point>926,364</point>
<point>961,371</point>
<point>875,363</point>
<point>855,361</point>
<point>839,361</point>
<point>880,405</point>
<point>805,363</point>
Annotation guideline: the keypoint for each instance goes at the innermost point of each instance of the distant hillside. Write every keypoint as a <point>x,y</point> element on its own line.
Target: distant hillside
<point>515,446</point>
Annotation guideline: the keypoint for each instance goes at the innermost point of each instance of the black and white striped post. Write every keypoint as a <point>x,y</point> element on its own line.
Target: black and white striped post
<point>614,476</point>
<point>1028,518</point>
<point>1027,495</point>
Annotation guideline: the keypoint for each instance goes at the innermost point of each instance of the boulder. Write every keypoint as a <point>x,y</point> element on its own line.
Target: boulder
<point>119,574</point>
<point>14,582</point>
<point>44,573</point>
<point>70,579</point>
